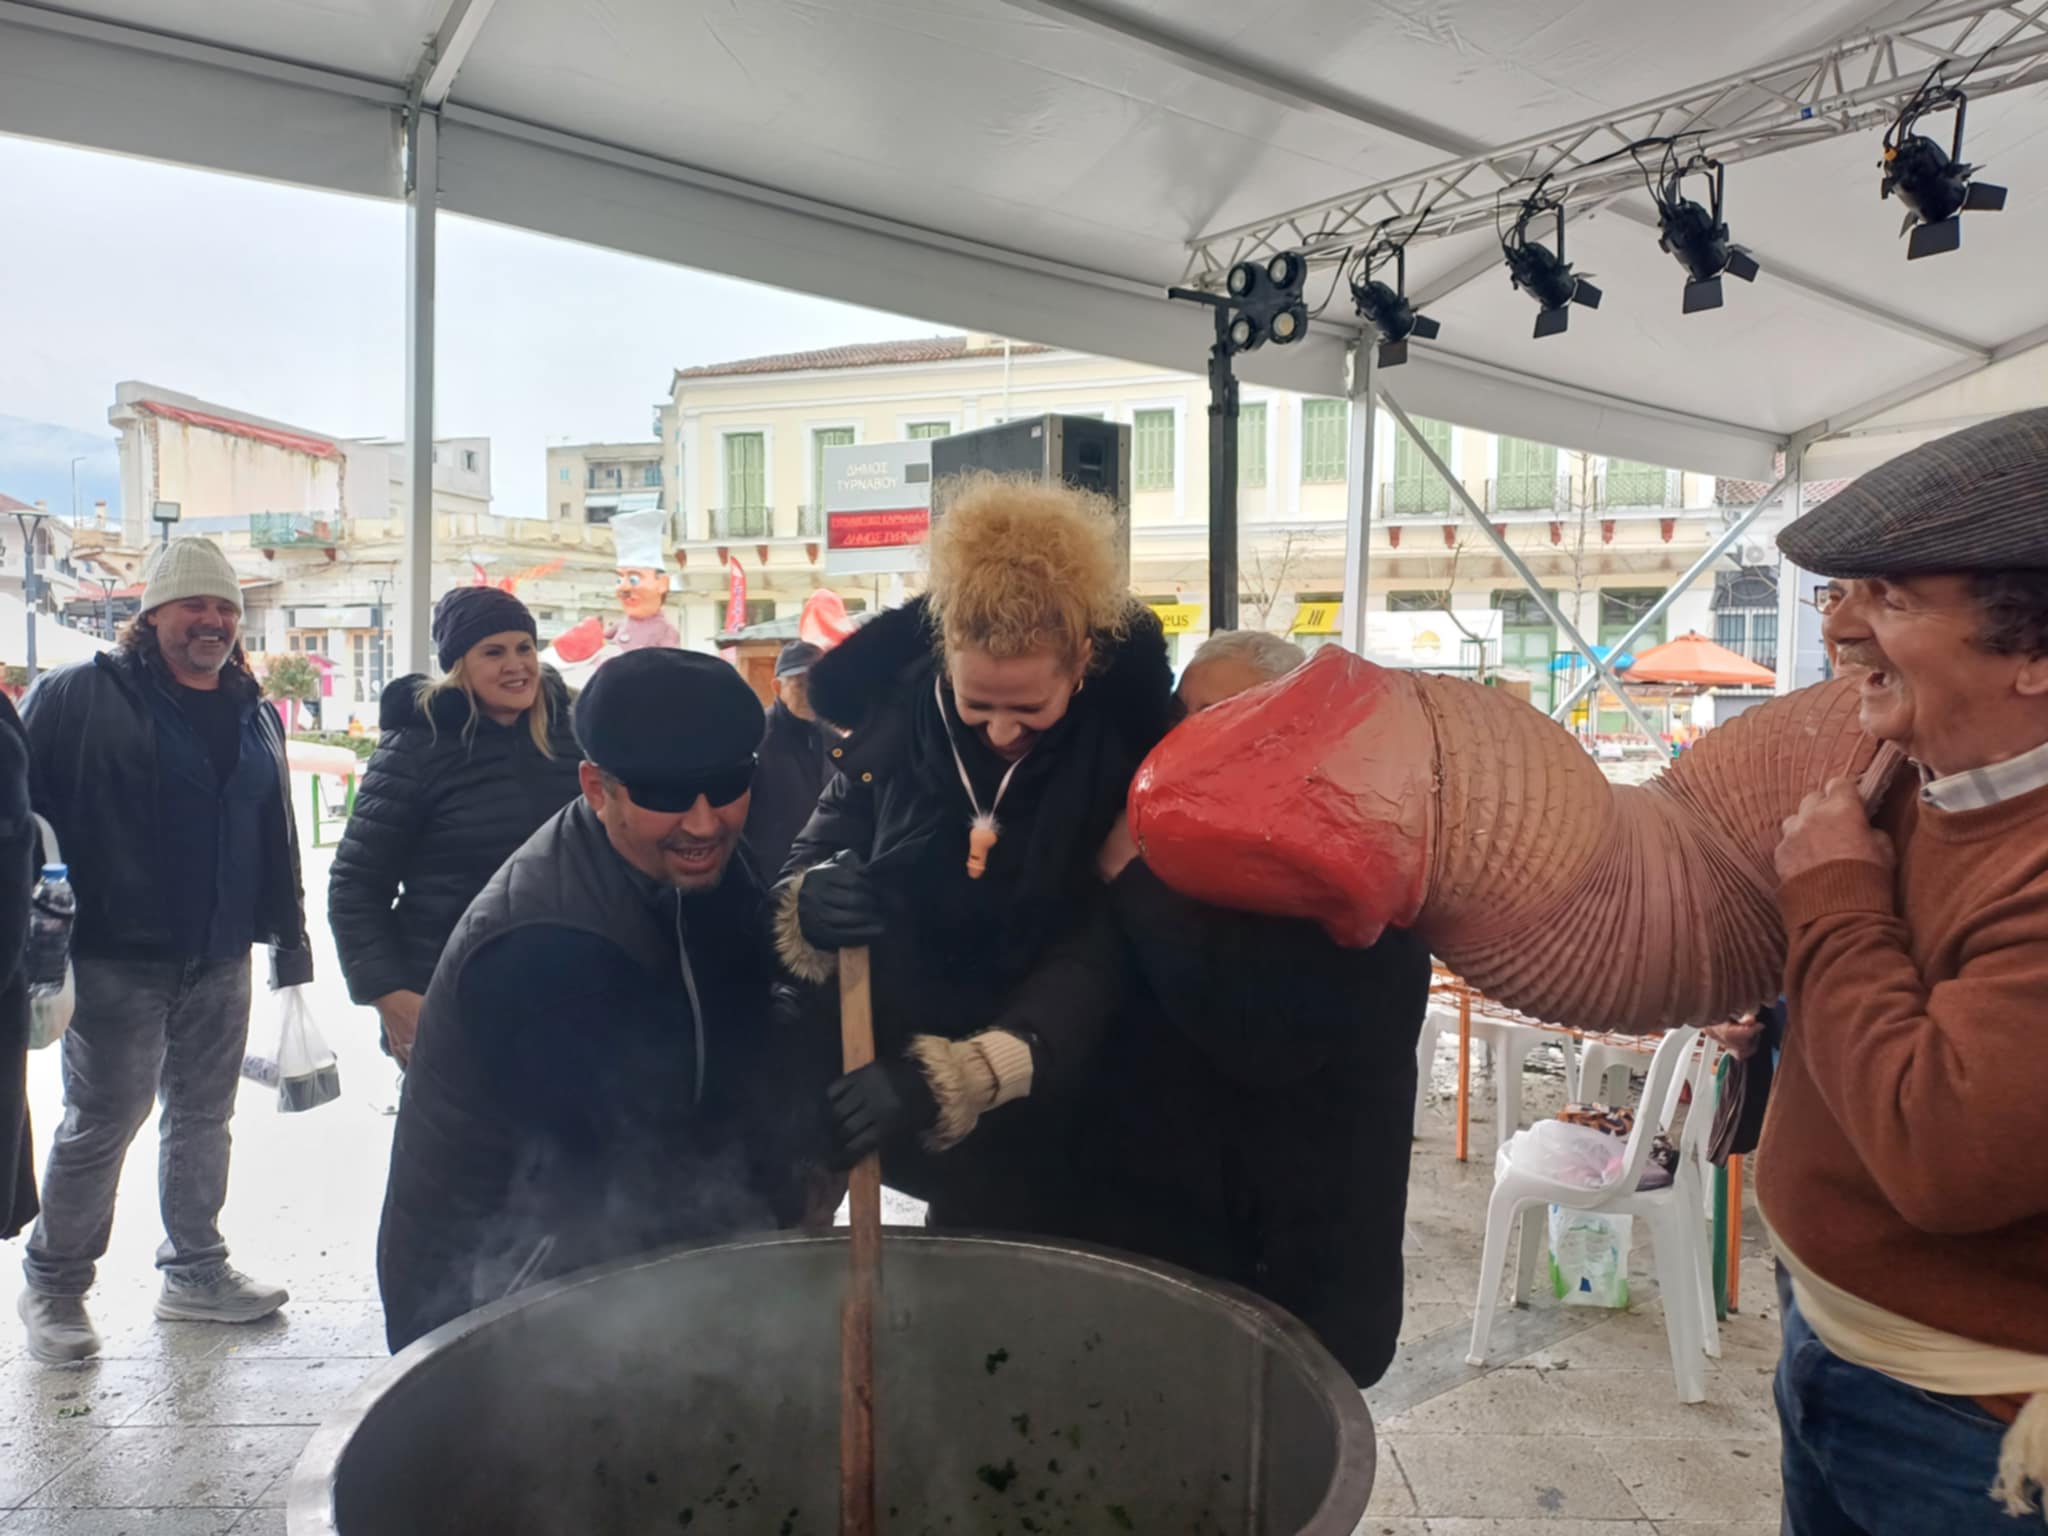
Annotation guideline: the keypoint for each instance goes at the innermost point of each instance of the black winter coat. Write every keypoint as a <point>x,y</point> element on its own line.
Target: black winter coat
<point>94,771</point>
<point>18,844</point>
<point>1253,1119</point>
<point>790,776</point>
<point>439,809</point>
<point>1029,947</point>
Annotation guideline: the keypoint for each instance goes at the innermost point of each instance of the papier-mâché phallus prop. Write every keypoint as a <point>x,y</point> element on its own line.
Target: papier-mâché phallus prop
<point>1366,798</point>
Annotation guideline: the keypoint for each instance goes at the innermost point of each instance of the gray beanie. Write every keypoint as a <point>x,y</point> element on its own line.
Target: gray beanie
<point>188,568</point>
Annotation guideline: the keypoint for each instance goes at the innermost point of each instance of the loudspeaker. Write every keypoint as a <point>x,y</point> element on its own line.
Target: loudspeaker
<point>1085,453</point>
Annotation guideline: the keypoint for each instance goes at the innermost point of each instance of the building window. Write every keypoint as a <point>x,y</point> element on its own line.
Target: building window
<point>1746,613</point>
<point>366,660</point>
<point>1630,484</point>
<point>1621,607</point>
<point>1528,640</point>
<point>308,642</point>
<point>1525,477</point>
<point>565,510</point>
<point>1417,490</point>
<point>469,458</point>
<point>1322,441</point>
<point>565,475</point>
<point>821,439</point>
<point>651,475</point>
<point>745,513</point>
<point>1251,445</point>
<point>1152,450</point>
<point>760,612</point>
<point>1418,602</point>
<point>922,431</point>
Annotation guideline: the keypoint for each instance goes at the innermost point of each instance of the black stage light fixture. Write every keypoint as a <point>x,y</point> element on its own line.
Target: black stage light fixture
<point>1544,274</point>
<point>1265,302</point>
<point>1698,237</point>
<point>1933,183</point>
<point>1387,310</point>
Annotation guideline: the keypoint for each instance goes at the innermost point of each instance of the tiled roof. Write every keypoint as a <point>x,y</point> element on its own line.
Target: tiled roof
<point>877,354</point>
<point>9,504</point>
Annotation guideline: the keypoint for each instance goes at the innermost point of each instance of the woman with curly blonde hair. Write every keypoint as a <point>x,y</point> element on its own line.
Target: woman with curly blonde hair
<point>994,726</point>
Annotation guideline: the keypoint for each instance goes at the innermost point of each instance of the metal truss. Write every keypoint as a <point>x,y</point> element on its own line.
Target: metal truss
<point>1848,87</point>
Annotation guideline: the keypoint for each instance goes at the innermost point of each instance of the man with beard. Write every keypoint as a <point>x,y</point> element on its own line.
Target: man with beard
<point>586,1083</point>
<point>163,772</point>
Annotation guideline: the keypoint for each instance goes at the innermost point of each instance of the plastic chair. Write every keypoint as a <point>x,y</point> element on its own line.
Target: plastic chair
<point>1507,1046</point>
<point>1676,1214</point>
<point>1591,1077</point>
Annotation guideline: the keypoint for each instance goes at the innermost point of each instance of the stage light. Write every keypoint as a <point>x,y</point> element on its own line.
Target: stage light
<point>1243,278</point>
<point>1265,302</point>
<point>1286,270</point>
<point>1544,274</point>
<point>1387,310</point>
<point>1933,183</point>
<point>1244,333</point>
<point>1698,237</point>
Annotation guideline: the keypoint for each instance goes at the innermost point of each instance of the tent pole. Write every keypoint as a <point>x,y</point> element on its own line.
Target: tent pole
<point>1359,470</point>
<point>1223,585</point>
<point>1698,568</point>
<point>1520,567</point>
<point>416,572</point>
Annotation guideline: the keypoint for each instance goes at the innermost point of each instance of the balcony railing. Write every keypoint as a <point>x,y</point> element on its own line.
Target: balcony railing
<point>1414,498</point>
<point>1551,493</point>
<point>290,530</point>
<point>1632,491</point>
<point>810,522</point>
<point>742,522</point>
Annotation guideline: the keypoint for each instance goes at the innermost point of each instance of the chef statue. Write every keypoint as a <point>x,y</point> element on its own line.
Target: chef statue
<point>639,538</point>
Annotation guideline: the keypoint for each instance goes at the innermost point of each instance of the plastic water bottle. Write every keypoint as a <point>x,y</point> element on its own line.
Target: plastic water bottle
<point>51,912</point>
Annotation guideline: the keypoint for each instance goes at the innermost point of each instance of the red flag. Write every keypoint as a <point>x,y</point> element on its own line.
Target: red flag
<point>736,598</point>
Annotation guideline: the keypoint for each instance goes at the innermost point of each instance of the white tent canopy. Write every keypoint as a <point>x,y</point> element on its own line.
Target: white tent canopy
<point>1040,168</point>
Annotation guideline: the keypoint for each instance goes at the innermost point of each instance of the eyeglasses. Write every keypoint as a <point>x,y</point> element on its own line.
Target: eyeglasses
<point>1829,596</point>
<point>720,786</point>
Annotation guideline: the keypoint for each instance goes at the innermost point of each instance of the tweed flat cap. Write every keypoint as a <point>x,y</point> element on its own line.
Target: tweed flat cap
<point>1976,500</point>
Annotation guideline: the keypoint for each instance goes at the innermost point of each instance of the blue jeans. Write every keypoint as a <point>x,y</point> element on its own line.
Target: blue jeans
<point>143,1029</point>
<point>1866,1455</point>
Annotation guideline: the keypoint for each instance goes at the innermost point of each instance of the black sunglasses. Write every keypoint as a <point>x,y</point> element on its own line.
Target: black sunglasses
<point>720,786</point>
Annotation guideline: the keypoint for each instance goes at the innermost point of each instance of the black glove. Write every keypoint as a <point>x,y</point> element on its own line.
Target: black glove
<point>837,905</point>
<point>880,1103</point>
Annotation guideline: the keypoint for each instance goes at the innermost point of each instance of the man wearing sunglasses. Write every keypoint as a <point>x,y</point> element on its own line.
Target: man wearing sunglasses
<point>586,1083</point>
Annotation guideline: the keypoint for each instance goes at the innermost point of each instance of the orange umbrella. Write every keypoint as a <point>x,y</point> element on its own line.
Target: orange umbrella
<point>1695,660</point>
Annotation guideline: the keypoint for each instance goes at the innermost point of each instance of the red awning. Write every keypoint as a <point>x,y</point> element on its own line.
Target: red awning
<point>1694,660</point>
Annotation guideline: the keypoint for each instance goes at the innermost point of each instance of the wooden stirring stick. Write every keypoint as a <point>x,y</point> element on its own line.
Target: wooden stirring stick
<point>863,1277</point>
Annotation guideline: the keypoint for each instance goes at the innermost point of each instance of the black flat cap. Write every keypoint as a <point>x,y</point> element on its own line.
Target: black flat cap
<point>1976,500</point>
<point>795,657</point>
<point>668,723</point>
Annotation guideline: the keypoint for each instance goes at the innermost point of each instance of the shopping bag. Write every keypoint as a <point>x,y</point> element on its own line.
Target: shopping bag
<point>303,1069</point>
<point>49,1013</point>
<point>1589,1257</point>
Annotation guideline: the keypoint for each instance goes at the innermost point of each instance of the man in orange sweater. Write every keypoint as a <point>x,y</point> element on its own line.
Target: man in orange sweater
<point>1905,1156</point>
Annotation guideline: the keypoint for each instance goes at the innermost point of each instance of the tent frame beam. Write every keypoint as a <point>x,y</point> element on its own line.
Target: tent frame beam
<point>1520,567</point>
<point>445,55</point>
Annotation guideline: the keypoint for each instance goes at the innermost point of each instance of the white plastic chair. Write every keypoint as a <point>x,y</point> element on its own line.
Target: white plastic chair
<point>1507,1046</point>
<point>1675,1214</point>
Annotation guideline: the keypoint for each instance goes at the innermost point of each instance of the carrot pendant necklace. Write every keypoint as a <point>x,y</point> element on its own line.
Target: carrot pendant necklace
<point>984,830</point>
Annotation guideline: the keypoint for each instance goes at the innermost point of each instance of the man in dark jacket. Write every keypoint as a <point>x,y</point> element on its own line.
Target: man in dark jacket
<point>584,1082</point>
<point>794,766</point>
<point>164,774</point>
<point>1252,1121</point>
<point>17,875</point>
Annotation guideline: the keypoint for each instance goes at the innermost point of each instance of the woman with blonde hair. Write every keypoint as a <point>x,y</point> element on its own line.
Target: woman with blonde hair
<point>994,727</point>
<point>468,767</point>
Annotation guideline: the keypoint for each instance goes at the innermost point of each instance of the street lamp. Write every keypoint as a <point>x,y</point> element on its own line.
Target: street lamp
<point>382,585</point>
<point>74,488</point>
<point>31,591</point>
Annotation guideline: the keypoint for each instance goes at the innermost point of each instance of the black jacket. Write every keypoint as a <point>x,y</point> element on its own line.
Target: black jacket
<point>792,771</point>
<point>1030,946</point>
<point>440,807</point>
<point>93,741</point>
<point>18,844</point>
<point>580,1090</point>
<point>1252,1121</point>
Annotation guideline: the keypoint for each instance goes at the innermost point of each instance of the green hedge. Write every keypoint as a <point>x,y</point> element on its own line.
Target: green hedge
<point>362,746</point>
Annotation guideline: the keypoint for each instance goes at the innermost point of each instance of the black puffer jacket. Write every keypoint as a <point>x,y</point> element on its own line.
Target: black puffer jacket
<point>439,809</point>
<point>1029,948</point>
<point>18,843</point>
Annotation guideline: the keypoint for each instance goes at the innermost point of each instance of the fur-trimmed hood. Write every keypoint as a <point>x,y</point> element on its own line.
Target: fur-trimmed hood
<point>399,705</point>
<point>871,666</point>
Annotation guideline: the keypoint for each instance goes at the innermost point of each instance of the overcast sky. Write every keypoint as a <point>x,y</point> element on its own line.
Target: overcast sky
<point>290,304</point>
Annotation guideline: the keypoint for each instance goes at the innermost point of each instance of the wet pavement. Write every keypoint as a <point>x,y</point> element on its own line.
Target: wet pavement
<point>191,1429</point>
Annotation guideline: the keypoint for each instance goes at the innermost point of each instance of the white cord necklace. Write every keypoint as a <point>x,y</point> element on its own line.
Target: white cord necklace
<point>984,829</point>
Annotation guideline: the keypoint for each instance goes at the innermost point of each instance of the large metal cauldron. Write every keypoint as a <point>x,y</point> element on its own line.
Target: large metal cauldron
<point>1023,1387</point>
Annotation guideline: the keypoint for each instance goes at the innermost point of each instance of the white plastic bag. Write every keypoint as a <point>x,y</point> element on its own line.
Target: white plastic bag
<point>304,1068</point>
<point>1589,1256</point>
<point>49,1014</point>
<point>1576,1155</point>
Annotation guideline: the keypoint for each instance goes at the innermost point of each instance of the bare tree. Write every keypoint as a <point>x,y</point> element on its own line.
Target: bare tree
<point>1271,562</point>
